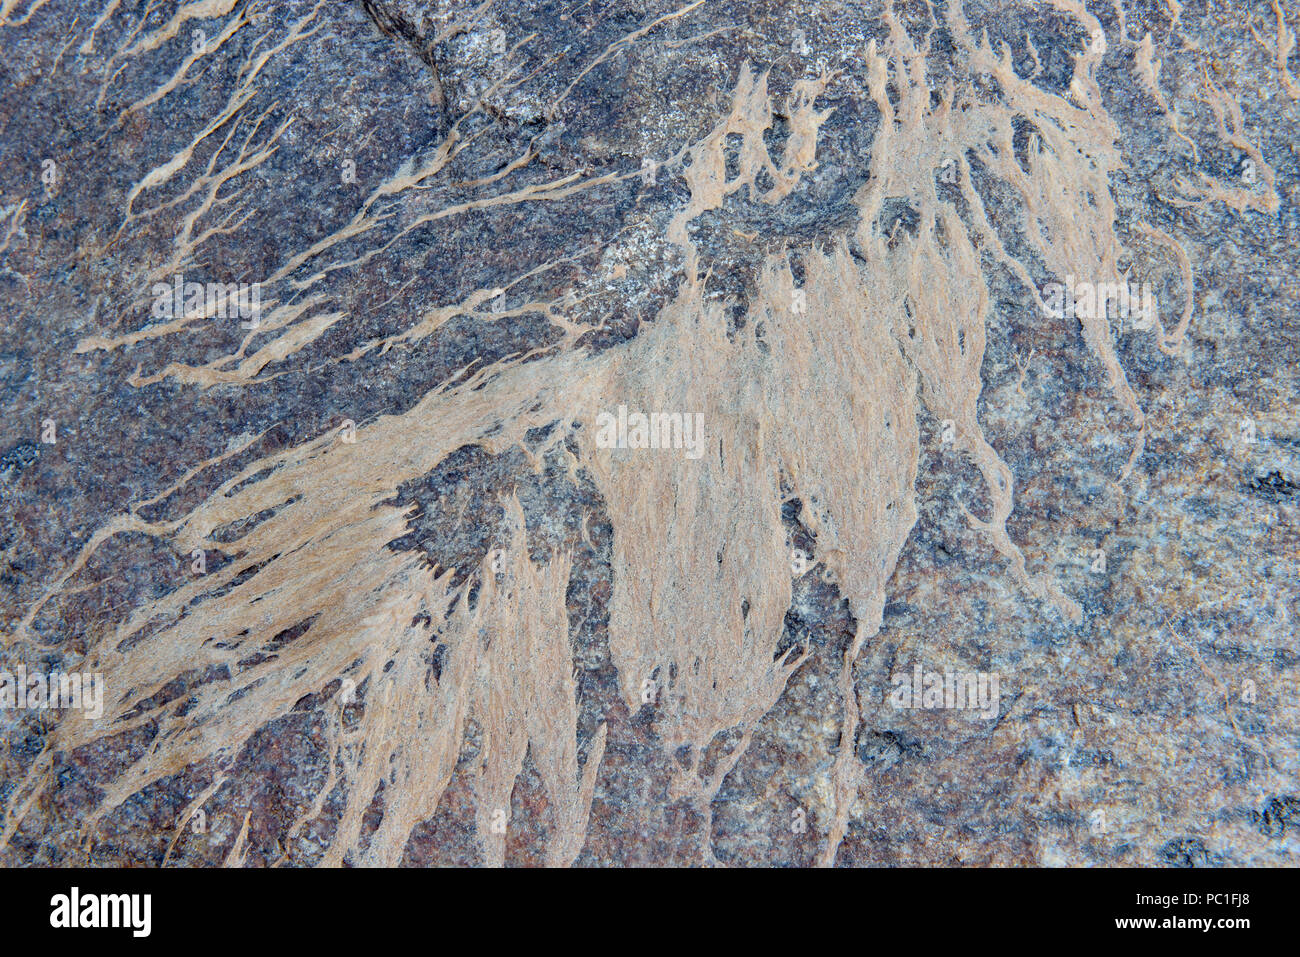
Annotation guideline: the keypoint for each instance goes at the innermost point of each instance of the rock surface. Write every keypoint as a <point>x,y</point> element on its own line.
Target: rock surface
<point>365,582</point>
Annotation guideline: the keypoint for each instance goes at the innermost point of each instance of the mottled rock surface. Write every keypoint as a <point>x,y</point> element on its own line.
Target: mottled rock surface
<point>363,583</point>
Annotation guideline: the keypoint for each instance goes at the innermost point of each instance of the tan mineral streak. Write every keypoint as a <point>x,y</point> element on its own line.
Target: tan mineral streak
<point>300,335</point>
<point>178,77</point>
<point>709,527</point>
<point>1281,46</point>
<point>622,44</point>
<point>10,5</point>
<point>1171,340</point>
<point>248,72</point>
<point>1231,128</point>
<point>843,406</point>
<point>198,10</point>
<point>1148,71</point>
<point>525,696</point>
<point>88,46</point>
<point>324,540</point>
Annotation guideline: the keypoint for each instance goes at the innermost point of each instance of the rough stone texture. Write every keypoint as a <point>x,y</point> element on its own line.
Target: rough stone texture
<point>1159,728</point>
